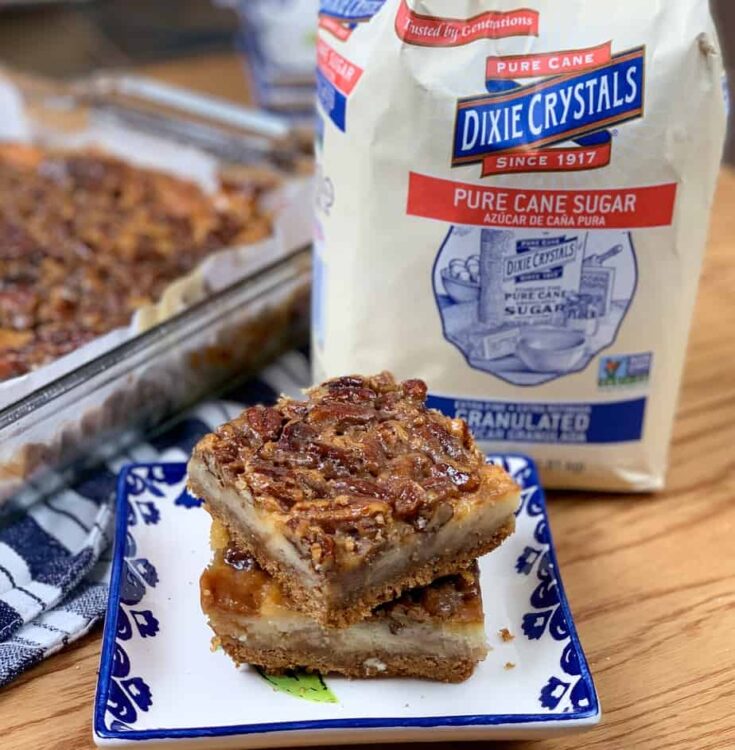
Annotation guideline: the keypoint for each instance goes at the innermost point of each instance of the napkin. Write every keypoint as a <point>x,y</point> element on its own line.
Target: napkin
<point>55,556</point>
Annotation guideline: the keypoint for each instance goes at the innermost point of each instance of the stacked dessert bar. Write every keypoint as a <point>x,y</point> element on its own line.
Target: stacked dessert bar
<point>345,532</point>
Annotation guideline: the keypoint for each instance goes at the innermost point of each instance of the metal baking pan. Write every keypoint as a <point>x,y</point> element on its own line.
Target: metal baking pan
<point>107,401</point>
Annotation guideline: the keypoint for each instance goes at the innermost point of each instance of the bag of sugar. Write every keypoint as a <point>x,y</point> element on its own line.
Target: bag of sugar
<point>512,204</point>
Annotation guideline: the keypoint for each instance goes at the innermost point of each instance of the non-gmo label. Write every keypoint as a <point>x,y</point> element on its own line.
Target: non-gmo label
<point>624,369</point>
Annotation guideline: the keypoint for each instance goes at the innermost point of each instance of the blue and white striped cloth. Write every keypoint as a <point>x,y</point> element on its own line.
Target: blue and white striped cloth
<point>55,556</point>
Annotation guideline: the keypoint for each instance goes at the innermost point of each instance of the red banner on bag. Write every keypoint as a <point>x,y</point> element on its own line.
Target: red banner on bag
<point>464,203</point>
<point>339,70</point>
<point>335,28</point>
<point>436,31</point>
<point>573,159</point>
<point>547,63</point>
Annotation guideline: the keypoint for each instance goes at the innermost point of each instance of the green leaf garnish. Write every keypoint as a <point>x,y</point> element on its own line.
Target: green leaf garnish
<point>309,687</point>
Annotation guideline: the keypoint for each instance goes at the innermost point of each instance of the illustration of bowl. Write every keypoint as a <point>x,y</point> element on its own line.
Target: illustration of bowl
<point>548,349</point>
<point>458,289</point>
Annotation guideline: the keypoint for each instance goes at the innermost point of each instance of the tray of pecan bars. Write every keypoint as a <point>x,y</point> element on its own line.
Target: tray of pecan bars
<point>153,246</point>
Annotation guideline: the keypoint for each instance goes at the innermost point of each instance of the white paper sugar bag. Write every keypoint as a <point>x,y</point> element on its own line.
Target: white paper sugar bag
<point>512,204</point>
<point>13,123</point>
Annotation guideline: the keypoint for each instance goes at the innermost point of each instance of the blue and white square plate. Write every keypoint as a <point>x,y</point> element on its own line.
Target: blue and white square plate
<point>159,682</point>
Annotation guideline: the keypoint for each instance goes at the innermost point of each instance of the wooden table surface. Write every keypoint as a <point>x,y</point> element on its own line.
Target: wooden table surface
<point>651,579</point>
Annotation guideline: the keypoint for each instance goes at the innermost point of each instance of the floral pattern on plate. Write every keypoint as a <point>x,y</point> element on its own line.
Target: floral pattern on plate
<point>156,639</point>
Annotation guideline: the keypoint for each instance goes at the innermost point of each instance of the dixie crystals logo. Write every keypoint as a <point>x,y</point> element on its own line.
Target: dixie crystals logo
<point>510,128</point>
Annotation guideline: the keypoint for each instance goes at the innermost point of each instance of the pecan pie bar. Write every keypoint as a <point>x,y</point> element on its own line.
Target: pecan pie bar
<point>354,494</point>
<point>435,632</point>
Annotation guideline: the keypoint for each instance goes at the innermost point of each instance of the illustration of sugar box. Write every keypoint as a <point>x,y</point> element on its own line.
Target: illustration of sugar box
<point>494,338</point>
<point>598,281</point>
<point>525,279</point>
